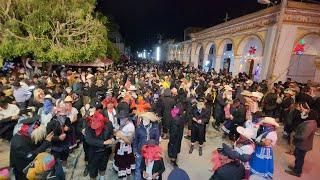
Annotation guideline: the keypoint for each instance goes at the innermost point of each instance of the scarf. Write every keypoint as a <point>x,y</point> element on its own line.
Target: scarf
<point>47,106</point>
<point>174,112</point>
<point>97,122</point>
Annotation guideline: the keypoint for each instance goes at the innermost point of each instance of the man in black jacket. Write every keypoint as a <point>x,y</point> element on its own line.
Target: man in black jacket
<point>303,139</point>
<point>23,149</point>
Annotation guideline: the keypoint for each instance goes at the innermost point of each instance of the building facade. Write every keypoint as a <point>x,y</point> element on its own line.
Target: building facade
<point>245,44</point>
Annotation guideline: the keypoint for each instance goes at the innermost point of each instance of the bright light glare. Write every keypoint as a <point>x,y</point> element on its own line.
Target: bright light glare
<point>158,53</point>
<point>144,55</point>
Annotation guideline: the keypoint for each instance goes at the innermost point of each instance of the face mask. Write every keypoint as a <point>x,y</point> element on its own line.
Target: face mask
<point>304,115</point>
<point>123,121</point>
<point>145,122</point>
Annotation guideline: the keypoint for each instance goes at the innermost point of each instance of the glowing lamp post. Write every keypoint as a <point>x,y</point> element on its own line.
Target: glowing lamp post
<point>158,53</point>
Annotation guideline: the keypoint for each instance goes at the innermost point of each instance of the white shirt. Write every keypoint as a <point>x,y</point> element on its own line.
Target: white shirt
<point>270,136</point>
<point>12,110</point>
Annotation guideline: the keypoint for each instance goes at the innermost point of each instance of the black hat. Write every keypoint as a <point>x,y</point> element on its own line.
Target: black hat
<point>123,114</point>
<point>97,104</point>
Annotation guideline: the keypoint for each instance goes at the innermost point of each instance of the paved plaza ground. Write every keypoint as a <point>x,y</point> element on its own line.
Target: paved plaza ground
<point>197,167</point>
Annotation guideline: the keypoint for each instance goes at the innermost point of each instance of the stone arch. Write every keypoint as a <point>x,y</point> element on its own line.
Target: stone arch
<point>250,63</point>
<point>222,45</point>
<point>227,55</point>
<point>312,43</point>
<point>304,35</point>
<point>210,53</point>
<point>242,43</point>
<point>200,55</point>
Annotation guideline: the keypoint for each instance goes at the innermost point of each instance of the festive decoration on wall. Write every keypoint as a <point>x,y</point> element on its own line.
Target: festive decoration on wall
<point>299,48</point>
<point>252,50</point>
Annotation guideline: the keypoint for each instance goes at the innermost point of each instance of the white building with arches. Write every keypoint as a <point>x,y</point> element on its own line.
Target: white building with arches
<point>245,44</point>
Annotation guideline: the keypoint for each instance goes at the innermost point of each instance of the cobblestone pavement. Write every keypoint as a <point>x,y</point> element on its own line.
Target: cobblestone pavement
<point>197,167</point>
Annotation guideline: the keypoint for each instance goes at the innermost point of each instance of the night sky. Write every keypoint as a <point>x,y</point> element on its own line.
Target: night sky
<point>141,20</point>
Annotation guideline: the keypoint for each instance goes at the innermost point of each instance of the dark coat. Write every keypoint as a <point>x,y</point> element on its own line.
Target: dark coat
<point>158,167</point>
<point>140,138</point>
<point>219,105</point>
<point>176,133</point>
<point>239,115</point>
<point>55,127</point>
<point>96,142</point>
<point>270,101</point>
<point>123,106</point>
<point>303,139</point>
<point>167,103</point>
<point>300,98</point>
<point>23,151</point>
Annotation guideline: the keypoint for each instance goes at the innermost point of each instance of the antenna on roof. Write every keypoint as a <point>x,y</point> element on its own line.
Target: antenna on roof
<point>227,17</point>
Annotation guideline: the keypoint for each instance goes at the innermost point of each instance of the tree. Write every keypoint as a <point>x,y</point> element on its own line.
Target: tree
<point>59,31</point>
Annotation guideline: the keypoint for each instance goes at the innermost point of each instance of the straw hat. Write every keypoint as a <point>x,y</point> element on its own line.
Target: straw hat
<point>270,120</point>
<point>249,82</point>
<point>68,90</point>
<point>227,88</point>
<point>257,95</point>
<point>200,105</point>
<point>48,96</point>
<point>246,132</point>
<point>149,116</point>
<point>289,91</point>
<point>246,93</point>
<point>50,83</point>
<point>100,69</point>
<point>89,76</point>
<point>132,88</point>
<point>68,99</point>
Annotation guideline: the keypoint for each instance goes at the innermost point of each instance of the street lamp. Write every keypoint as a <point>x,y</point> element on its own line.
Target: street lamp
<point>158,53</point>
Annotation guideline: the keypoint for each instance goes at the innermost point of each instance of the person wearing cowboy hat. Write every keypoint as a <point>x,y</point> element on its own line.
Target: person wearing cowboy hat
<point>303,138</point>
<point>147,129</point>
<point>262,162</point>
<point>124,161</point>
<point>241,152</point>
<point>200,117</point>
<point>71,113</point>
<point>218,110</point>
<point>285,107</point>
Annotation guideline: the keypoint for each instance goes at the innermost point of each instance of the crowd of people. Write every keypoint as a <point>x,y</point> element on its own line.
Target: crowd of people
<point>125,111</point>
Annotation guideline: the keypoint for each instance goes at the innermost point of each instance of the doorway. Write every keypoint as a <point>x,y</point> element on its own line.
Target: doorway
<point>226,65</point>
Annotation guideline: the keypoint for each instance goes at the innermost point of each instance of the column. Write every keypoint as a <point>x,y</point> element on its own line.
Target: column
<point>284,52</point>
<point>236,65</point>
<point>217,66</point>
<point>317,73</point>
<point>194,57</point>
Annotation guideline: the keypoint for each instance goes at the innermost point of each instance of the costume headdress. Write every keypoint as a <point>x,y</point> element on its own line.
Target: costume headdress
<point>149,115</point>
<point>109,100</point>
<point>151,151</point>
<point>38,169</point>
<point>97,122</point>
<point>141,106</point>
